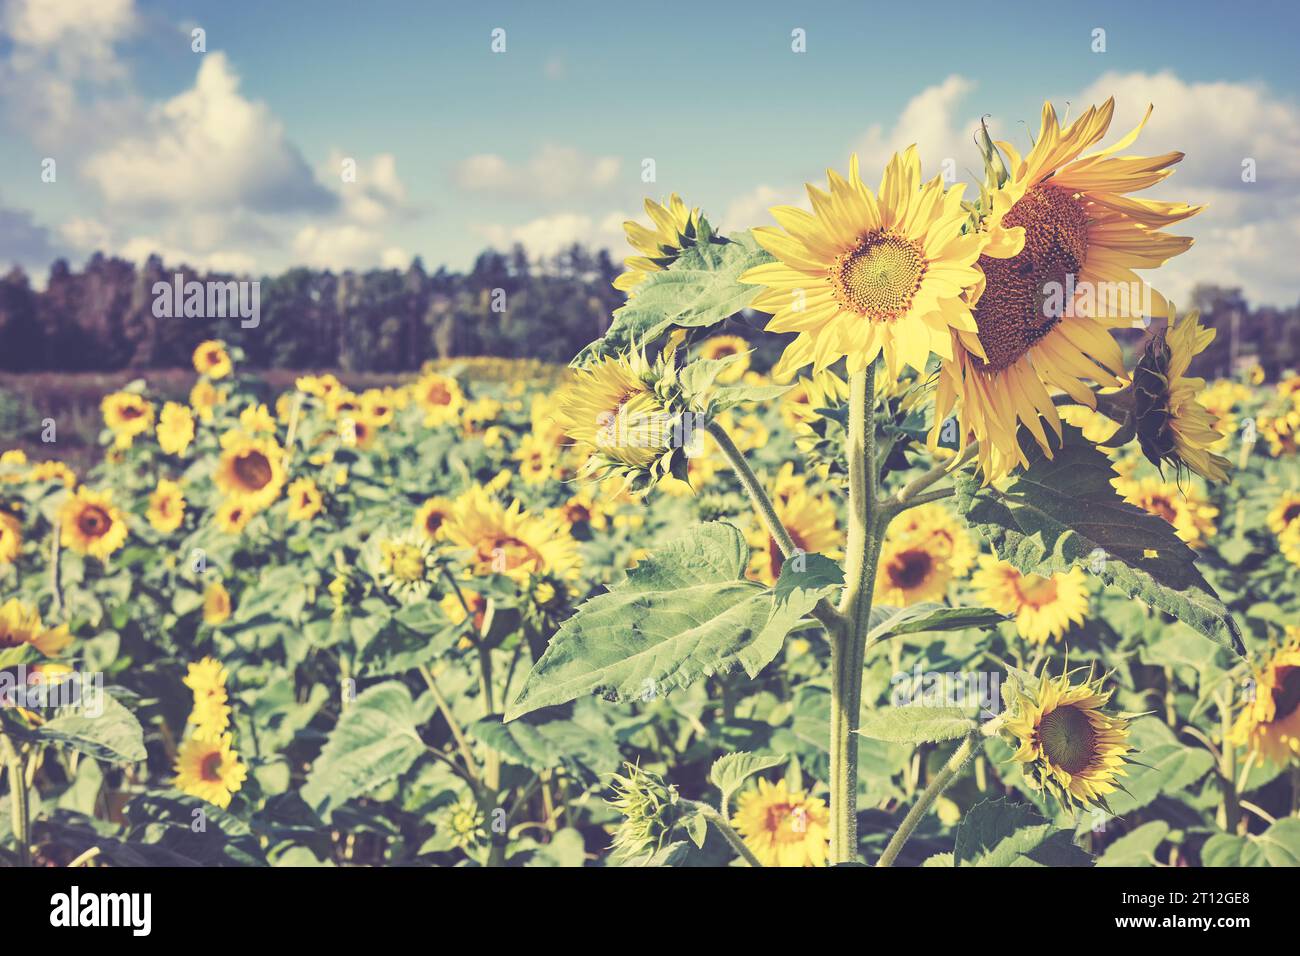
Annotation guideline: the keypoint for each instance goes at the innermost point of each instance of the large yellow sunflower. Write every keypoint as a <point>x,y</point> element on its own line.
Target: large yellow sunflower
<point>91,525</point>
<point>1185,508</point>
<point>11,538</point>
<point>1269,725</point>
<point>1045,314</point>
<point>127,415</point>
<point>1172,426</point>
<point>809,518</point>
<point>209,770</point>
<point>865,274</point>
<point>166,506</point>
<point>510,541</point>
<point>610,411</point>
<point>674,229</point>
<point>21,624</point>
<point>1067,744</point>
<point>250,470</point>
<point>1044,607</point>
<point>783,828</point>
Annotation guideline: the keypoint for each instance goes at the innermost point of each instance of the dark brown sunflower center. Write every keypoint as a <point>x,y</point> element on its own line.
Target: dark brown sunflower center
<point>1068,739</point>
<point>508,553</point>
<point>1020,301</point>
<point>1286,695</point>
<point>878,279</point>
<point>1036,590</point>
<point>910,569</point>
<point>438,395</point>
<point>434,521</point>
<point>1291,513</point>
<point>210,767</point>
<point>130,411</point>
<point>94,521</point>
<point>253,470</point>
<point>1163,507</point>
<point>577,514</point>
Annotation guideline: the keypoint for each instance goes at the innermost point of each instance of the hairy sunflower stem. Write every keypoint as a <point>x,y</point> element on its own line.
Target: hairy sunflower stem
<point>933,790</point>
<point>824,613</point>
<point>909,491</point>
<point>20,820</point>
<point>734,839</point>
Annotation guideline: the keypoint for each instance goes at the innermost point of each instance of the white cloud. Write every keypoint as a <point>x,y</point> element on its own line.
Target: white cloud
<point>139,248</point>
<point>346,246</point>
<point>548,235</point>
<point>929,120</point>
<point>208,148</point>
<point>377,195</point>
<point>553,172</point>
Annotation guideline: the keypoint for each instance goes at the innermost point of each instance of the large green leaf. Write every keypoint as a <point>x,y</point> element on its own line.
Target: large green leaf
<point>1063,512</point>
<point>375,741</point>
<point>698,289</point>
<point>113,735</point>
<point>546,744</point>
<point>887,622</point>
<point>684,613</point>
<point>1137,848</point>
<point>912,724</point>
<point>1002,833</point>
<point>1279,845</point>
<point>1166,766</point>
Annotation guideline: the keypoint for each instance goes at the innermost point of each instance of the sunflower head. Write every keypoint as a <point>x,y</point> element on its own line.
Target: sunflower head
<point>175,428</point>
<point>462,824</point>
<point>305,500</point>
<point>209,769</point>
<point>1044,608</point>
<point>91,524</point>
<point>166,506</point>
<point>509,541</point>
<point>212,360</point>
<point>783,827</point>
<point>250,470</point>
<point>811,520</point>
<point>21,624</point>
<point>11,538</point>
<point>674,227</point>
<point>126,414</point>
<point>216,604</point>
<point>440,397</point>
<point>650,809</point>
<point>405,565</point>
<point>1269,724</point>
<point>1066,743</point>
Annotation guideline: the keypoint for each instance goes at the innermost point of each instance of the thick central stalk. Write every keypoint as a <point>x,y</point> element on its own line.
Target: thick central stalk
<point>849,645</point>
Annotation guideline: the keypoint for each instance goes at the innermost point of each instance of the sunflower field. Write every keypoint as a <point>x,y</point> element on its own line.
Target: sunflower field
<point>957,581</point>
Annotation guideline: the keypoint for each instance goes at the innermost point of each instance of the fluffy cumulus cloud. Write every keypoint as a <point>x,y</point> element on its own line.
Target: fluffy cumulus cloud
<point>553,172</point>
<point>548,235</point>
<point>208,148</point>
<point>346,246</point>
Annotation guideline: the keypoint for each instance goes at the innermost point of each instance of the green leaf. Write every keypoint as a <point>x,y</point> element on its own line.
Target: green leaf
<point>681,614</point>
<point>114,735</point>
<point>731,770</point>
<point>375,741</point>
<point>1137,848</point>
<point>887,622</point>
<point>546,744</point>
<point>698,289</point>
<point>1063,512</point>
<point>1279,845</point>
<point>1002,833</point>
<point>914,724</point>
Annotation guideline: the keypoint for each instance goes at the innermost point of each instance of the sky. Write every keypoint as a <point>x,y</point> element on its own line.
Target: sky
<point>240,156</point>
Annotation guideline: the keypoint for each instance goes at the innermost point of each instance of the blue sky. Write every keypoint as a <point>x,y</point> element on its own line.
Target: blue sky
<point>233,158</point>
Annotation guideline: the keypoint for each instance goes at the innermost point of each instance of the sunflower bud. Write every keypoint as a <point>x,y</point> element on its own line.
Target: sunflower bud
<point>650,809</point>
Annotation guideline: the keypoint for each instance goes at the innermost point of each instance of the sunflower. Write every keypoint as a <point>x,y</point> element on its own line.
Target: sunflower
<point>206,680</point>
<point>379,405</point>
<point>809,518</point>
<point>21,624</point>
<point>440,397</point>
<point>462,823</point>
<point>783,828</point>
<point>166,506</point>
<point>510,541</point>
<point>319,386</point>
<point>455,609</point>
<point>1172,426</point>
<point>216,604</point>
<point>405,565</point>
<point>862,274</point>
<point>44,471</point>
<point>232,516</point>
<point>1044,607</point>
<point>91,525</point>
<point>912,570</point>
<point>675,227</point>
<point>432,516</point>
<point>1067,744</point>
<point>209,770</point>
<point>1282,432</point>
<point>583,509</point>
<point>1269,725</point>
<point>305,500</point>
<point>250,470</point>
<point>212,359</point>
<point>1187,510</point>
<point>204,399</point>
<point>175,429</point>
<point>257,419</point>
<point>725,346</point>
<point>1285,513</point>
<point>937,524</point>
<point>357,431</point>
<point>536,459</point>
<point>126,415</point>
<point>1289,543</point>
<point>11,538</point>
<point>1044,315</point>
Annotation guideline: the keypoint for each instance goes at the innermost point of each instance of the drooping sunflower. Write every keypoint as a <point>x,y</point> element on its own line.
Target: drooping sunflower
<point>21,624</point>
<point>783,827</point>
<point>305,501</point>
<point>250,470</point>
<point>725,346</point>
<point>1045,313</point>
<point>166,506</point>
<point>126,415</point>
<point>432,516</point>
<point>1285,513</point>
<point>809,518</point>
<point>209,770</point>
<point>675,226</point>
<point>510,541</point>
<point>1172,426</point>
<point>864,274</point>
<point>90,523</point>
<point>11,538</point>
<point>1044,608</point>
<point>441,398</point>
<point>212,359</point>
<point>175,428</point>
<point>1269,725</point>
<point>216,604</point>
<point>1067,744</point>
<point>1185,508</point>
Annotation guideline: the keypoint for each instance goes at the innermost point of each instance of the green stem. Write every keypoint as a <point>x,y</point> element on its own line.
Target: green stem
<point>736,841</point>
<point>931,793</point>
<point>848,647</point>
<point>21,821</point>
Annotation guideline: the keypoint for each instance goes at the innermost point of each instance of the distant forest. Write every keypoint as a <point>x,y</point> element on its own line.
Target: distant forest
<point>102,318</point>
